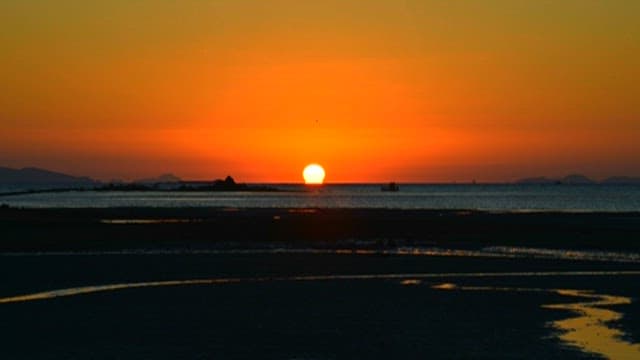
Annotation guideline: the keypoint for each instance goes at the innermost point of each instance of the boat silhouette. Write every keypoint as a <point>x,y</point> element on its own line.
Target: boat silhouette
<point>392,186</point>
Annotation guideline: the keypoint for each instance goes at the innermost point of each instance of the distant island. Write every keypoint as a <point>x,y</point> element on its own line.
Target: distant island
<point>173,183</point>
<point>34,180</point>
<point>162,179</point>
<point>579,179</point>
<point>31,176</point>
<point>573,179</point>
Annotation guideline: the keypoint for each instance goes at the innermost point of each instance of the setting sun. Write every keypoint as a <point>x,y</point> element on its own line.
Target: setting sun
<point>313,174</point>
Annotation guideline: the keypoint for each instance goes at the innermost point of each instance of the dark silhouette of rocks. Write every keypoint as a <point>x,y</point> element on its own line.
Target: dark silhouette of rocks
<point>162,179</point>
<point>228,184</point>
<point>33,181</point>
<point>392,186</point>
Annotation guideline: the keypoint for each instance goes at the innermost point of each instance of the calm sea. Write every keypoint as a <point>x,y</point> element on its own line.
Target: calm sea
<point>613,198</point>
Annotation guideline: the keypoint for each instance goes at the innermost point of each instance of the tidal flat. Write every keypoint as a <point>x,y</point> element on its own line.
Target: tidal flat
<point>141,290</point>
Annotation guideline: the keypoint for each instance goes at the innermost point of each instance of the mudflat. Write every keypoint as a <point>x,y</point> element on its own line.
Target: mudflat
<point>191,228</point>
<point>318,284</point>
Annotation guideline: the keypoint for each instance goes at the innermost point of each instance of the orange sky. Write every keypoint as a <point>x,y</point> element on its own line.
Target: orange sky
<point>373,90</point>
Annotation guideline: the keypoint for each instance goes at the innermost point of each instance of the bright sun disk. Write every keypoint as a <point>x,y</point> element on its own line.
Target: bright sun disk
<point>313,174</point>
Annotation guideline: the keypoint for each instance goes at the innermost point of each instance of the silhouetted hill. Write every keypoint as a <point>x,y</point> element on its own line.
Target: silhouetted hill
<point>622,180</point>
<point>41,177</point>
<point>164,178</point>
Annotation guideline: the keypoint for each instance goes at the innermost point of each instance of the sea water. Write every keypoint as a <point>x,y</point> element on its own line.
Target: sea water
<point>530,197</point>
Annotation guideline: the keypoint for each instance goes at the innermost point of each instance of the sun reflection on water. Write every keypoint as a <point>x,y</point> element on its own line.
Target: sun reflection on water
<point>410,282</point>
<point>589,330</point>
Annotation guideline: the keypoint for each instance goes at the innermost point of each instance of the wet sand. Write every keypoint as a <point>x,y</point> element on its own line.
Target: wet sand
<point>191,285</point>
<point>207,228</point>
<point>299,306</point>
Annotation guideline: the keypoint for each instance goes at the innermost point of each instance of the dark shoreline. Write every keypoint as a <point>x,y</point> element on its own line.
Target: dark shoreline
<point>144,188</point>
<point>71,229</point>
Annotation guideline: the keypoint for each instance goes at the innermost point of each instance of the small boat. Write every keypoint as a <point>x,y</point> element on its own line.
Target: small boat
<point>390,187</point>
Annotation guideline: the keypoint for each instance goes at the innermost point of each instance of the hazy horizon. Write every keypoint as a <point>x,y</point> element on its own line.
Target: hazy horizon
<point>328,182</point>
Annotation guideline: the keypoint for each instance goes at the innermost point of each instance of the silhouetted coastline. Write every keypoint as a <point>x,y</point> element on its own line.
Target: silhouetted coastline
<point>228,184</point>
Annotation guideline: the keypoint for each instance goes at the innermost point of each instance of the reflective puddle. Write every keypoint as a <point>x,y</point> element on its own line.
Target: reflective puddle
<point>590,330</point>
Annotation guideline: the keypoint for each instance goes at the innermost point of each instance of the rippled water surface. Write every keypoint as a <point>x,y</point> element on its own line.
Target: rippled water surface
<point>611,198</point>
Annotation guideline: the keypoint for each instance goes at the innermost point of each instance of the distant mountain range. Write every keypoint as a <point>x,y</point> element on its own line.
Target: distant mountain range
<point>579,179</point>
<point>32,176</point>
<point>40,177</point>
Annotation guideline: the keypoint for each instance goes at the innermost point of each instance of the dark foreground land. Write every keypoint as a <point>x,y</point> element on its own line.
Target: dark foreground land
<point>206,228</point>
<point>277,307</point>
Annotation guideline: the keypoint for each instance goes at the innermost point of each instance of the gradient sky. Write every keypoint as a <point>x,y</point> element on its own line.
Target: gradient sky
<point>374,90</point>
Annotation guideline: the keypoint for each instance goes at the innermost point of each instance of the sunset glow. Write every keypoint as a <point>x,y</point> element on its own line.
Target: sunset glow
<point>415,91</point>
